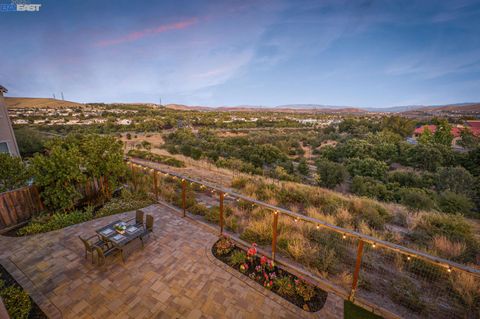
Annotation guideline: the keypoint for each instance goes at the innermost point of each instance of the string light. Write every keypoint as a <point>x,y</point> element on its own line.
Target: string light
<point>318,226</point>
<point>409,258</point>
<point>296,219</point>
<point>449,269</point>
<point>344,236</point>
<point>373,245</point>
<point>275,212</point>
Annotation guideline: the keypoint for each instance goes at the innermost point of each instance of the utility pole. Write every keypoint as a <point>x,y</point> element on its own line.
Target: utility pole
<point>54,96</point>
<point>160,98</point>
<point>62,97</point>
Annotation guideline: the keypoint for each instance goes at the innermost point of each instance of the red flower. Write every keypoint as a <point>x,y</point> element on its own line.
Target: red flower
<point>252,251</point>
<point>263,260</point>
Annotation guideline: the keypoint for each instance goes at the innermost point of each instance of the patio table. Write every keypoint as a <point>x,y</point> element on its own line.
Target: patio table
<point>120,240</point>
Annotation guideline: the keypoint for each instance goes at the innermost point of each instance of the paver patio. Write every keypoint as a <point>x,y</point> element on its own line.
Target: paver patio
<point>175,276</point>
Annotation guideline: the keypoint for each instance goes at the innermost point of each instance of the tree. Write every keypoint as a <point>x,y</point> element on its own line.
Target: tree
<point>468,140</point>
<point>29,141</point>
<point>443,134</point>
<point>57,174</point>
<point>455,179</point>
<point>367,167</point>
<point>399,125</point>
<point>425,156</point>
<point>303,167</point>
<point>330,173</point>
<point>102,156</point>
<point>13,173</point>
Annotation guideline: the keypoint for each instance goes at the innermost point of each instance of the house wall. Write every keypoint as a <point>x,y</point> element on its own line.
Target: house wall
<point>6,131</point>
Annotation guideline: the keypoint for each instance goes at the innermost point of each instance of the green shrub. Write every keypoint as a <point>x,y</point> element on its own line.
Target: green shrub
<point>374,214</point>
<point>238,257</point>
<point>369,187</point>
<point>285,286</point>
<point>367,167</point>
<point>56,221</point>
<point>128,201</point>
<point>304,289</point>
<point>213,214</point>
<point>16,300</point>
<point>162,159</point>
<point>330,173</point>
<point>450,202</point>
<point>13,173</point>
<point>416,198</point>
<point>199,209</point>
<point>454,227</point>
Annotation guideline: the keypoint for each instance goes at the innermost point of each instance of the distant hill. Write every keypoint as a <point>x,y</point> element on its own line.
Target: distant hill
<point>283,108</point>
<point>466,107</point>
<point>32,102</point>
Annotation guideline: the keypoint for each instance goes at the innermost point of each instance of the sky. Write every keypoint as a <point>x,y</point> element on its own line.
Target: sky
<point>249,52</point>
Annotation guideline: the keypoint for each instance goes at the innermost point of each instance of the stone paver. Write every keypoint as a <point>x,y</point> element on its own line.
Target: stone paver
<point>175,276</point>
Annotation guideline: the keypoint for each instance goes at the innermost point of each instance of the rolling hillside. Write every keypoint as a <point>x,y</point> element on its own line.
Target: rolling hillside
<point>29,102</point>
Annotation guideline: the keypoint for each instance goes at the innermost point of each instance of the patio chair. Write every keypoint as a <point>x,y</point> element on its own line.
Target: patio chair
<point>138,218</point>
<point>148,228</point>
<point>104,253</point>
<point>90,243</point>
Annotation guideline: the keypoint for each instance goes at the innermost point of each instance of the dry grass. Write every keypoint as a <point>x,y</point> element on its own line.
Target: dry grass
<point>445,248</point>
<point>468,288</point>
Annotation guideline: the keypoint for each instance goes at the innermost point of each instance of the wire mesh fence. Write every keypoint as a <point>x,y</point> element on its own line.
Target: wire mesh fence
<point>391,278</point>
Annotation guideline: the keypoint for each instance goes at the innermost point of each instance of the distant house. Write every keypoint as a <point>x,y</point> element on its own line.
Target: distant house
<point>8,143</point>
<point>473,126</point>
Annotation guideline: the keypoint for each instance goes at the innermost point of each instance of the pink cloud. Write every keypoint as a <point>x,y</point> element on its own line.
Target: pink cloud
<point>136,35</point>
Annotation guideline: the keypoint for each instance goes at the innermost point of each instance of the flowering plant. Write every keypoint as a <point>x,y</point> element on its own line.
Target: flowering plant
<point>268,284</point>
<point>244,267</point>
<point>258,268</point>
<point>305,290</point>
<point>252,252</point>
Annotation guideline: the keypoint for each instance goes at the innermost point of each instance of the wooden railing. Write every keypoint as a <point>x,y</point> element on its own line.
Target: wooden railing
<point>362,240</point>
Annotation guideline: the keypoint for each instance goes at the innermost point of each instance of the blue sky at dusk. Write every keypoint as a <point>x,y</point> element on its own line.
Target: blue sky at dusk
<point>357,53</point>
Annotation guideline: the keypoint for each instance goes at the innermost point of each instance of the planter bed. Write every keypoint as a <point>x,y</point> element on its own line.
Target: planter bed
<point>9,282</point>
<point>263,271</point>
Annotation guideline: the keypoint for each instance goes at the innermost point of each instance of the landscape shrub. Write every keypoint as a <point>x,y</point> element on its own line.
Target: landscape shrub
<point>367,167</point>
<point>369,187</point>
<point>330,174</point>
<point>285,286</point>
<point>238,257</point>
<point>455,179</point>
<point>13,173</point>
<point>199,209</point>
<point>416,198</point>
<point>16,301</point>
<point>450,202</point>
<point>162,159</point>
<point>258,231</point>
<point>128,201</point>
<point>374,214</point>
<point>56,221</point>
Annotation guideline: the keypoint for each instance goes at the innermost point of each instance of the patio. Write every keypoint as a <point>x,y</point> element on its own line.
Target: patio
<point>175,276</point>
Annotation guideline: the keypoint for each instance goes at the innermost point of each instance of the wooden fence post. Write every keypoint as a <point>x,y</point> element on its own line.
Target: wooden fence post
<point>184,197</point>
<point>274,237</point>
<point>221,213</point>
<point>155,184</point>
<point>357,269</point>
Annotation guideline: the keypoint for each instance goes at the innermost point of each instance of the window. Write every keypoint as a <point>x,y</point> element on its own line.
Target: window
<point>4,148</point>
